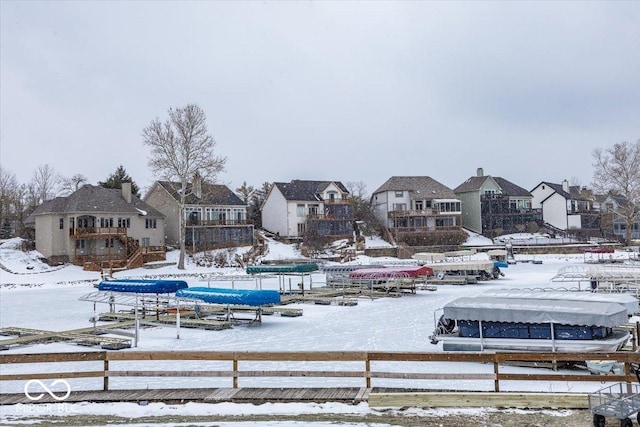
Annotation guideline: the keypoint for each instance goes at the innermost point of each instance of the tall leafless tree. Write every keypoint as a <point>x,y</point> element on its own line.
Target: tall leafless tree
<point>617,172</point>
<point>71,185</point>
<point>46,183</point>
<point>181,148</point>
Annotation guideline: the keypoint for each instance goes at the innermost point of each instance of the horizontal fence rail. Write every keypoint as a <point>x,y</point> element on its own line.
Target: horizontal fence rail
<point>404,366</point>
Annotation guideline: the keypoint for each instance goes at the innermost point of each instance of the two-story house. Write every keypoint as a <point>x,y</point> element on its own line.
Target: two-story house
<point>492,205</point>
<point>566,207</point>
<point>615,213</point>
<point>296,208</point>
<point>98,228</point>
<point>416,204</point>
<point>215,216</point>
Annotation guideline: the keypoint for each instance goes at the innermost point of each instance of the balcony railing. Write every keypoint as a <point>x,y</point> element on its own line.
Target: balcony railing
<point>346,201</point>
<point>217,222</point>
<point>422,212</point>
<point>97,231</point>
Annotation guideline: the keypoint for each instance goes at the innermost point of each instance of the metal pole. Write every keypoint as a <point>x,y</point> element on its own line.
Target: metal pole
<point>136,322</point>
<point>177,318</point>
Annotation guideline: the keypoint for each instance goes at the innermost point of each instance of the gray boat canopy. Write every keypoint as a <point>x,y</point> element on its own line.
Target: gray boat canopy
<point>520,310</point>
<point>629,301</point>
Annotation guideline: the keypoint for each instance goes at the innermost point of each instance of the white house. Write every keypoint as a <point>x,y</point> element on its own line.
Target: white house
<point>565,207</point>
<point>295,208</point>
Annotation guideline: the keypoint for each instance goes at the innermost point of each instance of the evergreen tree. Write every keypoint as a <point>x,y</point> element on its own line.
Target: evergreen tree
<point>116,179</point>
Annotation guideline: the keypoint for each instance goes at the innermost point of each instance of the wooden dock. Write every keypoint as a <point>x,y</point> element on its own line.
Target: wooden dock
<point>85,336</point>
<point>376,397</point>
<point>208,395</point>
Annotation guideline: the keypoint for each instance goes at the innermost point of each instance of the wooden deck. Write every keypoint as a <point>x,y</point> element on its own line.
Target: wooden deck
<point>376,397</point>
<point>209,395</point>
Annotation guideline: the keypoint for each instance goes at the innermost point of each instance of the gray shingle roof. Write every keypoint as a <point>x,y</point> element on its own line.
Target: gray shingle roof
<point>508,188</point>
<point>306,190</point>
<point>94,198</point>
<point>423,187</point>
<point>212,194</point>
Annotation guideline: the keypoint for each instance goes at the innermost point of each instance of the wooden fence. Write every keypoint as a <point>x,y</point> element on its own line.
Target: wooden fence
<point>404,366</point>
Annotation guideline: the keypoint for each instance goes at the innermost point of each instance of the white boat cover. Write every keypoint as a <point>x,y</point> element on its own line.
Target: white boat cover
<point>474,265</point>
<point>629,301</point>
<point>520,310</point>
<point>429,256</point>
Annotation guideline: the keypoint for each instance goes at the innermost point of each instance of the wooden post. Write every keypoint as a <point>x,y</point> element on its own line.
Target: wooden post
<point>496,372</point>
<point>235,373</point>
<point>367,368</point>
<point>105,382</point>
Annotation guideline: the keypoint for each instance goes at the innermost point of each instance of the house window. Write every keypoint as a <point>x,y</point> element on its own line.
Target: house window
<point>302,228</point>
<point>300,210</point>
<point>124,222</point>
<point>446,221</point>
<point>108,243</point>
<point>150,223</point>
<point>61,223</point>
<point>427,203</point>
<point>419,205</point>
<point>399,193</point>
<point>80,244</point>
<point>145,242</point>
<point>313,209</point>
<point>399,206</point>
<point>106,222</point>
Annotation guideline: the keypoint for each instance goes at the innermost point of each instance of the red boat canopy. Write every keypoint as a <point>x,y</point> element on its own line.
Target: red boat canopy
<point>376,273</point>
<point>599,250</point>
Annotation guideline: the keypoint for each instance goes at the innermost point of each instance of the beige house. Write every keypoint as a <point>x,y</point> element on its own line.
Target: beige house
<point>98,228</point>
<point>215,216</point>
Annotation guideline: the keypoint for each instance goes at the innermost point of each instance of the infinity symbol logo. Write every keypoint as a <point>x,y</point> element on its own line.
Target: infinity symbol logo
<point>47,389</point>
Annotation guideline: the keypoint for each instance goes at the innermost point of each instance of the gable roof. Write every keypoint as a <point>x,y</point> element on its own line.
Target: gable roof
<point>423,187</point>
<point>556,188</point>
<point>94,198</point>
<point>511,189</point>
<point>508,188</point>
<point>306,190</point>
<point>212,194</point>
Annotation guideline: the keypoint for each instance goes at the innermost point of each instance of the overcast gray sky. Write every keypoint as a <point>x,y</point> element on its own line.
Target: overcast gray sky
<point>348,91</point>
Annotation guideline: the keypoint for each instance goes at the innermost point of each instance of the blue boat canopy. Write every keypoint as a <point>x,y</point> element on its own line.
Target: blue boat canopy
<point>282,268</point>
<point>143,286</point>
<point>230,296</point>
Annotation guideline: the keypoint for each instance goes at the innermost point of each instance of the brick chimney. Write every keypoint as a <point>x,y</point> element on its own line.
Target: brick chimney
<point>126,191</point>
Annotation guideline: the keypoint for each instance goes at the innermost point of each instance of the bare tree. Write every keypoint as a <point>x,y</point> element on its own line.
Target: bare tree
<point>181,148</point>
<point>617,172</point>
<point>9,201</point>
<point>362,210</point>
<point>46,182</point>
<point>71,185</point>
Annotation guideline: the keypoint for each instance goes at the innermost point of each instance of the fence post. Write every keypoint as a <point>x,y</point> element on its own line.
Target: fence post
<point>367,369</point>
<point>235,373</point>
<point>496,381</point>
<point>105,379</point>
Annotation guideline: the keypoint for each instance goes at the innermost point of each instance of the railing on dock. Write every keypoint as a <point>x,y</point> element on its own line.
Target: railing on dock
<point>369,366</point>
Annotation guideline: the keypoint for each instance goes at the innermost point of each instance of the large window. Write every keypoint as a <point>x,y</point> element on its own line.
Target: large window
<point>61,224</point>
<point>150,223</point>
<point>124,222</point>
<point>300,210</point>
<point>106,222</point>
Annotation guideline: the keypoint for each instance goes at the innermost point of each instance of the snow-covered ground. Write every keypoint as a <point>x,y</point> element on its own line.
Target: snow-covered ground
<point>33,295</point>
